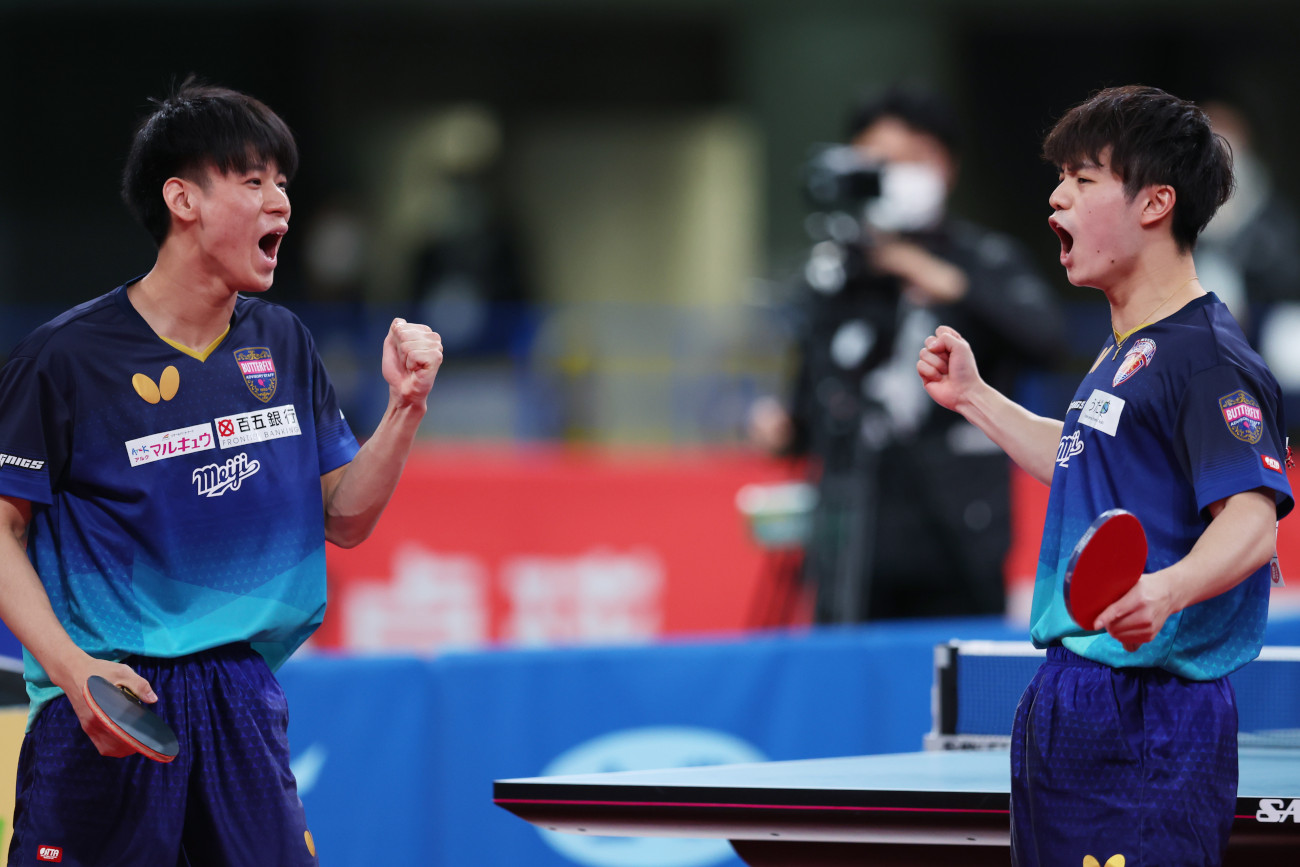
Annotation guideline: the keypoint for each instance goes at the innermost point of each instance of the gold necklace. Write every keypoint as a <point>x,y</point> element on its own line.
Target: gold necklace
<point>1120,338</point>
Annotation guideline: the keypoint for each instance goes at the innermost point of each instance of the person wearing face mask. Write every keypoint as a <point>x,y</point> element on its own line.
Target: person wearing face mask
<point>913,512</point>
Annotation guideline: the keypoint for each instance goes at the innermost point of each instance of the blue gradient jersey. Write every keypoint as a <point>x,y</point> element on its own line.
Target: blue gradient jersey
<point>176,498</point>
<point>1184,414</point>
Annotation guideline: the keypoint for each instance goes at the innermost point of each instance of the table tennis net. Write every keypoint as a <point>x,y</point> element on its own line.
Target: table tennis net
<point>978,683</point>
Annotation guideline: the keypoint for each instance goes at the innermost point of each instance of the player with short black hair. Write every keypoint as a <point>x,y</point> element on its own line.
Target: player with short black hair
<point>200,126</point>
<point>179,460</point>
<point>1150,139</point>
<point>1125,742</point>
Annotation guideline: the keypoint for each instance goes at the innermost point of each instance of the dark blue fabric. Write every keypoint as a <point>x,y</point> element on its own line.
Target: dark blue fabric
<point>1135,762</point>
<point>191,520</point>
<point>1181,417</point>
<point>228,799</point>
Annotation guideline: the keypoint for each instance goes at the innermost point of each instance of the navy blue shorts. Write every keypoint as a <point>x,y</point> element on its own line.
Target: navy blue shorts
<point>228,799</point>
<point>1121,761</point>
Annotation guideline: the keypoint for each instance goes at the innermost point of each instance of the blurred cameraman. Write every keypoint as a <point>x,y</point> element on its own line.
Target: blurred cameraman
<point>913,516</point>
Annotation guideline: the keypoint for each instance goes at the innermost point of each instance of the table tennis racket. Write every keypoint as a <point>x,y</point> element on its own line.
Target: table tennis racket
<point>127,717</point>
<point>1104,565</point>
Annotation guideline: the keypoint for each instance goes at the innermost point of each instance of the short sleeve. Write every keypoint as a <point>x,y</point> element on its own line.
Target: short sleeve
<point>34,421</point>
<point>335,441</point>
<point>1231,433</point>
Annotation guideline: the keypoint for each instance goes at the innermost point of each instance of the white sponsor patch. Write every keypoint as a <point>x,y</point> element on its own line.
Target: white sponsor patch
<point>170,444</point>
<point>258,426</point>
<point>1102,411</point>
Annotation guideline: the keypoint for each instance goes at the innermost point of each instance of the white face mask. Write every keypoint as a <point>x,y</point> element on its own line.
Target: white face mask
<point>911,198</point>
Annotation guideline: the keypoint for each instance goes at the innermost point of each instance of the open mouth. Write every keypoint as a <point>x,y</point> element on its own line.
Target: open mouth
<point>270,244</point>
<point>1067,240</point>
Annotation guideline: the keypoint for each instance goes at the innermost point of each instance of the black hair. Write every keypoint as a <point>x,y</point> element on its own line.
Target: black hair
<point>922,110</point>
<point>1153,138</point>
<point>197,127</point>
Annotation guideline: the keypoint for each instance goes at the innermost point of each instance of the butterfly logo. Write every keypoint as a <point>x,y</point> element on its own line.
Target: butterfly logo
<point>165,389</point>
<point>1112,861</point>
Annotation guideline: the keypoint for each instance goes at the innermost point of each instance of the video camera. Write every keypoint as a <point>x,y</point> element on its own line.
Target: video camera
<point>838,178</point>
<point>886,197</point>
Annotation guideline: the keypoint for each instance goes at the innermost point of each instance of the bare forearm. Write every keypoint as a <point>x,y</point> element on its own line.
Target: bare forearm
<point>1028,439</point>
<point>355,495</point>
<point>25,609</point>
<point>1239,540</point>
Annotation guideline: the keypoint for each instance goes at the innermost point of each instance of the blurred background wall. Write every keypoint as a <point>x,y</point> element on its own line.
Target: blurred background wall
<point>596,203</point>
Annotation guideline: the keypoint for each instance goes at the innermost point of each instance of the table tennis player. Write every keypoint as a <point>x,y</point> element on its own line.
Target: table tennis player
<point>173,460</point>
<point>1125,742</point>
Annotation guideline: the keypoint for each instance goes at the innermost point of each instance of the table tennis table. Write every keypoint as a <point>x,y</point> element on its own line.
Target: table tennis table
<point>944,806</point>
<point>909,808</point>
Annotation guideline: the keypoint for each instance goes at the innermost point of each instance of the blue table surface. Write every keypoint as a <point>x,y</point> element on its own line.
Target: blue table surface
<point>1264,772</point>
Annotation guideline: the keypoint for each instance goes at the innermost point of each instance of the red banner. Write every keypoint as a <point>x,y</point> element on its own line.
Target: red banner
<point>552,546</point>
<point>547,545</point>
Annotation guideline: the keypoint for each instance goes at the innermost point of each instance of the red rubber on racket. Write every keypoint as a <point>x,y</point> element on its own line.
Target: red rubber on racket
<point>1105,564</point>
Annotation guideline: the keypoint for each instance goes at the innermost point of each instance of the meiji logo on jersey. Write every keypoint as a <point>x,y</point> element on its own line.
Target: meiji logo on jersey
<point>1243,416</point>
<point>258,368</point>
<point>20,463</point>
<point>1138,357</point>
<point>1102,411</point>
<point>214,480</point>
<point>49,853</point>
<point>1069,447</point>
<point>1271,463</point>
<point>170,444</point>
<point>259,426</point>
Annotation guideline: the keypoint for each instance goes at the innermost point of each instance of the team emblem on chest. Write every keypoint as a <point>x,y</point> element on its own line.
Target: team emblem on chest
<point>258,368</point>
<point>1243,416</point>
<point>1134,360</point>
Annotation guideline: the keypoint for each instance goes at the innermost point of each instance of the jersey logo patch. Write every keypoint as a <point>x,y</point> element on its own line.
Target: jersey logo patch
<point>258,368</point>
<point>21,463</point>
<point>1243,416</point>
<point>1271,463</point>
<point>258,426</point>
<point>170,444</point>
<point>1102,412</point>
<point>1138,357</point>
<point>1112,861</point>
<point>49,853</point>
<point>215,479</point>
<point>1070,446</point>
<point>164,389</point>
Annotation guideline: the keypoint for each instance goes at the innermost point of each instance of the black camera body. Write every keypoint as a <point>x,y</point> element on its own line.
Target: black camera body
<point>837,178</point>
